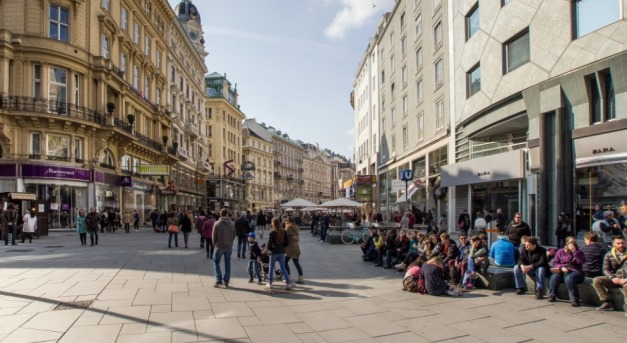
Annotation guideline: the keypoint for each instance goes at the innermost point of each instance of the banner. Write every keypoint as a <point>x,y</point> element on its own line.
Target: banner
<point>156,170</point>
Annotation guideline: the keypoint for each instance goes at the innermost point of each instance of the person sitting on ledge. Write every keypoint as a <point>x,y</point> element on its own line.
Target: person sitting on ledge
<point>503,252</point>
<point>594,253</point>
<point>568,268</point>
<point>477,260</point>
<point>532,262</point>
<point>615,270</point>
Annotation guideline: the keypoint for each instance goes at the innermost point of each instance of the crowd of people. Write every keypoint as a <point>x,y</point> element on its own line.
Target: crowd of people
<point>436,264</point>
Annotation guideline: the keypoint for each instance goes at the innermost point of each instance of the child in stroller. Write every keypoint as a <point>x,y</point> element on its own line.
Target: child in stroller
<point>264,260</point>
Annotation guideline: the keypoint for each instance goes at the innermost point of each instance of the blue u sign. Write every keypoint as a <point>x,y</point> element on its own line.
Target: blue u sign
<point>407,175</point>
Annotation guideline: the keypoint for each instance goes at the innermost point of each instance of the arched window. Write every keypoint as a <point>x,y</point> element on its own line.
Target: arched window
<point>106,158</point>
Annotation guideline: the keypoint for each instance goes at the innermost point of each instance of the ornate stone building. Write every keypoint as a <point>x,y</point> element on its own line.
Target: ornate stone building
<point>260,181</point>
<point>94,93</point>
<point>317,169</point>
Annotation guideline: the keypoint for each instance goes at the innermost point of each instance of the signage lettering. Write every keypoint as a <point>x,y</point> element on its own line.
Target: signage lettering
<point>602,151</point>
<point>157,170</point>
<point>485,173</point>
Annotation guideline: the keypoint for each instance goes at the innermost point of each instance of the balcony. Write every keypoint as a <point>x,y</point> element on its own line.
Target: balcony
<point>277,162</point>
<point>107,166</point>
<point>277,175</point>
<point>58,158</point>
<point>172,150</point>
<point>182,152</point>
<point>122,125</point>
<point>51,107</point>
<point>206,166</point>
<point>290,178</point>
<point>191,129</point>
<point>300,170</point>
<point>147,141</point>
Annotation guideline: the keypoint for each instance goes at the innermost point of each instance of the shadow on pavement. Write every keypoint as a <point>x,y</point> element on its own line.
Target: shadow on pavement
<point>337,285</point>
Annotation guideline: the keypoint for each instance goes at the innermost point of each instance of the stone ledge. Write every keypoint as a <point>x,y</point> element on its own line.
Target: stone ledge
<point>587,293</point>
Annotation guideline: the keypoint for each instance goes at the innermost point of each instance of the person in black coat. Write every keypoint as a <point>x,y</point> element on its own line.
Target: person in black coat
<point>516,229</point>
<point>594,251</point>
<point>532,262</point>
<point>563,229</point>
<point>242,228</point>
<point>464,222</point>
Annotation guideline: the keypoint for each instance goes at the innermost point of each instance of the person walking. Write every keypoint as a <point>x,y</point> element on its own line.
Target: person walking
<point>92,221</point>
<point>200,222</point>
<point>135,221</point>
<point>261,223</point>
<point>277,242</point>
<point>292,252</point>
<point>223,237</point>
<point>326,220</point>
<point>242,227</point>
<point>81,228</point>
<point>173,229</point>
<point>207,232</point>
<point>29,226</point>
<point>126,220</point>
<point>186,226</point>
<point>464,222</point>
<point>9,223</point>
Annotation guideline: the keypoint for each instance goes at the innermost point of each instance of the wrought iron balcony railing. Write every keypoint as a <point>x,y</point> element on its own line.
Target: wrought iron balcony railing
<point>52,107</point>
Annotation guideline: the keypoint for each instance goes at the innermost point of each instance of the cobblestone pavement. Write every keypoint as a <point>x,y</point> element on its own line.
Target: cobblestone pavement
<point>132,288</point>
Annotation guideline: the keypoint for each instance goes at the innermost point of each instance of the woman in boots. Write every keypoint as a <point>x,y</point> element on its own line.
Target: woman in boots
<point>292,252</point>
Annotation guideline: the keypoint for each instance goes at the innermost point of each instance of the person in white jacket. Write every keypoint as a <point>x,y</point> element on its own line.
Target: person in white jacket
<point>29,226</point>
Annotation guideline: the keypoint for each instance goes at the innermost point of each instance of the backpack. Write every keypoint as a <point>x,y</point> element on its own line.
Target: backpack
<point>414,285</point>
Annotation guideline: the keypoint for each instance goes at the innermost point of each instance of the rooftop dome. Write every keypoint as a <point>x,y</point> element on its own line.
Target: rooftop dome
<point>187,11</point>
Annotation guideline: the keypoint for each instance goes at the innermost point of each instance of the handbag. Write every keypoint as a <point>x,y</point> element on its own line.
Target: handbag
<point>173,228</point>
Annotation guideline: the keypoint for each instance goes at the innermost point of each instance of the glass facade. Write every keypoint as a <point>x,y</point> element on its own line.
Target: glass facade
<point>604,185</point>
<point>64,203</point>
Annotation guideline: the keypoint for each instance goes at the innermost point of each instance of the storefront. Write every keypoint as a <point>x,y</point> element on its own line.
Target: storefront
<point>600,174</point>
<point>8,176</point>
<point>492,182</point>
<point>108,191</point>
<point>140,196</point>
<point>63,189</point>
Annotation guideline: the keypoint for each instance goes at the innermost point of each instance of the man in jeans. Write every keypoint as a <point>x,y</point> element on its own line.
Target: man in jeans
<point>223,237</point>
<point>615,270</point>
<point>92,221</point>
<point>242,227</point>
<point>532,262</point>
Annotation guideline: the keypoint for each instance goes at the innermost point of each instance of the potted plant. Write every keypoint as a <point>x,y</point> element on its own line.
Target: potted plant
<point>110,107</point>
<point>175,145</point>
<point>164,139</point>
<point>131,118</point>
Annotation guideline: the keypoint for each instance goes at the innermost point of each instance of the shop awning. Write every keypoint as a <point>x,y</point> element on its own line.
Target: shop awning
<point>499,167</point>
<point>19,196</point>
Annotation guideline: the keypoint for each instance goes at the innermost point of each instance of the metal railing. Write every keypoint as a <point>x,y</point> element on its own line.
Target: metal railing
<point>147,141</point>
<point>107,166</point>
<point>182,152</point>
<point>52,107</point>
<point>122,125</point>
<point>58,158</point>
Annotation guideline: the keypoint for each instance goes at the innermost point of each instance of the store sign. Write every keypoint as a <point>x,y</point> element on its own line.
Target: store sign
<point>126,181</point>
<point>156,170</point>
<point>398,185</point>
<point>500,167</point>
<point>8,170</point>
<point>167,192</point>
<point>248,165</point>
<point>50,172</point>
<point>140,186</point>
<point>596,148</point>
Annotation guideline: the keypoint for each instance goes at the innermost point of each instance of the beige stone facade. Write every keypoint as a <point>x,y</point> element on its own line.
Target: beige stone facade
<point>317,169</point>
<point>259,189</point>
<point>94,90</point>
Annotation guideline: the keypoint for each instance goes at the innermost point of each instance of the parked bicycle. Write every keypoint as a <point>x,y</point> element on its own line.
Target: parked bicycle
<point>354,235</point>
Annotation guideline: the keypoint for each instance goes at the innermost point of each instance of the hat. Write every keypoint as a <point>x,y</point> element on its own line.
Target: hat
<point>252,234</point>
<point>608,213</point>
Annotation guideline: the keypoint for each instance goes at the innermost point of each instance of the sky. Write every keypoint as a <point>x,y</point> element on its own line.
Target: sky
<point>293,61</point>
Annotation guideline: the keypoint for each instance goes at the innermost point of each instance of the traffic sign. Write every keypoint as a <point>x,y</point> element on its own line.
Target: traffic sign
<point>407,174</point>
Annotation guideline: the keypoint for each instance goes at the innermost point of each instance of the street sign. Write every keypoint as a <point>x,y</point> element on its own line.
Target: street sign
<point>407,175</point>
<point>398,185</point>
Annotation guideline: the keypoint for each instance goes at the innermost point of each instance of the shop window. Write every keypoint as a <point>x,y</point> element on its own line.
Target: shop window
<point>59,23</point>
<point>591,15</point>
<point>472,21</point>
<point>437,159</point>
<point>516,52</point>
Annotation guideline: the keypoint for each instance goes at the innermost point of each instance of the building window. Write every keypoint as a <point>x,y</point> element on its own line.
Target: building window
<point>516,51</point>
<point>78,149</point>
<point>404,46</point>
<point>59,23</point>
<point>158,99</point>
<point>472,21</point>
<point>106,5</point>
<point>37,81</point>
<point>601,97</point>
<point>136,32</point>
<point>392,90</point>
<point>405,105</point>
<point>391,38</point>
<point>35,144</point>
<point>58,146</point>
<point>148,8</point>
<point>104,44</point>
<point>419,91</point>
<point>159,59</point>
<point>124,18</point>
<point>473,81</point>
<point>439,72</point>
<point>147,87</point>
<point>122,62</point>
<point>591,15</point>
<point>402,19</point>
<point>419,58</point>
<point>392,64</point>
<point>420,127</point>
<point>439,115</point>
<point>419,26</point>
<point>148,45</point>
<point>135,77</point>
<point>609,101</point>
<point>405,138</point>
<point>393,139</point>
<point>57,88</point>
<point>404,75</point>
<point>393,117</point>
<point>382,76</point>
<point>77,90</point>
<point>437,35</point>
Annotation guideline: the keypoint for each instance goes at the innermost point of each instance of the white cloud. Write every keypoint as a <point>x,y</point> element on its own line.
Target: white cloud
<point>354,14</point>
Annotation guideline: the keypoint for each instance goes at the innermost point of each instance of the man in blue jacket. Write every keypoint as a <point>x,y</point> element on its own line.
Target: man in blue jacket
<point>503,252</point>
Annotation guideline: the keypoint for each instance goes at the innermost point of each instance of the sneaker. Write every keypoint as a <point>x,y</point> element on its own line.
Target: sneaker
<point>300,280</point>
<point>520,291</point>
<point>289,286</point>
<point>539,294</point>
<point>259,283</point>
<point>606,306</point>
<point>551,298</point>
<point>268,286</point>
<point>226,284</point>
<point>217,284</point>
<point>400,266</point>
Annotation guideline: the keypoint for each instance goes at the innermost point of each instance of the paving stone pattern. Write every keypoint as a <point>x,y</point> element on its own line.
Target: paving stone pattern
<point>138,290</point>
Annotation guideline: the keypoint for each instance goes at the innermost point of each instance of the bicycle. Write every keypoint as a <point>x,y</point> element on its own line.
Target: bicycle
<point>352,234</point>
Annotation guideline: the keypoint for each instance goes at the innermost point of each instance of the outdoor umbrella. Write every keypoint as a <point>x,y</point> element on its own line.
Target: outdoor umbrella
<point>298,203</point>
<point>341,202</point>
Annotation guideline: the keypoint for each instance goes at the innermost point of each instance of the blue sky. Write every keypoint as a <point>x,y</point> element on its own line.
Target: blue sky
<point>293,60</point>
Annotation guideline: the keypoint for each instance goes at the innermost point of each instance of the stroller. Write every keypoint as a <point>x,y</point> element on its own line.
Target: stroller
<point>264,261</point>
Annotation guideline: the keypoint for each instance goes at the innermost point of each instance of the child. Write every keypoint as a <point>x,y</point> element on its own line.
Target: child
<point>254,252</point>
